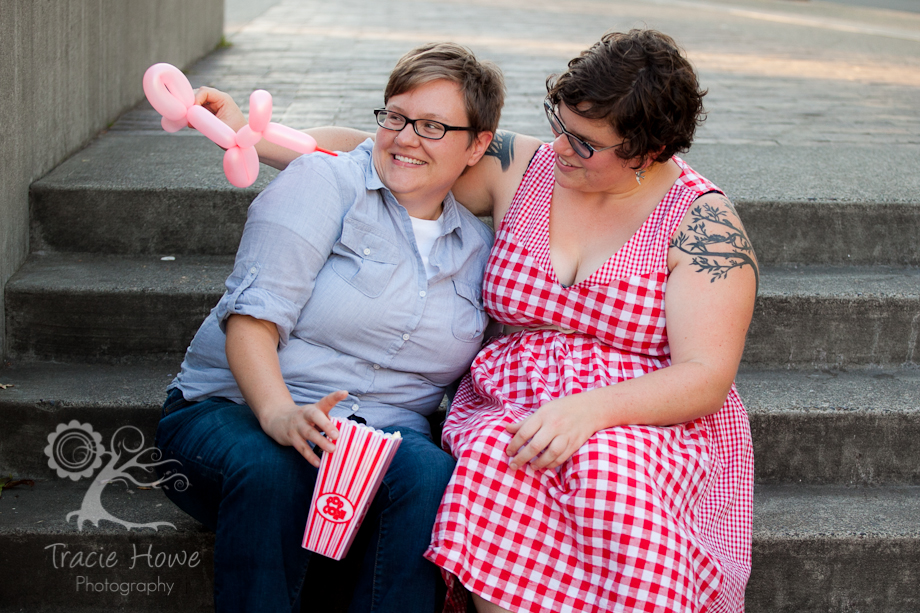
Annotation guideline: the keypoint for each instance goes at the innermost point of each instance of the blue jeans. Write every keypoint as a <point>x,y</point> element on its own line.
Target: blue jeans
<point>255,494</point>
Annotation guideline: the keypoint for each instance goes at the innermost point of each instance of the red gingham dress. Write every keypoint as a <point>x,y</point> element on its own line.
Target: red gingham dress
<point>641,518</point>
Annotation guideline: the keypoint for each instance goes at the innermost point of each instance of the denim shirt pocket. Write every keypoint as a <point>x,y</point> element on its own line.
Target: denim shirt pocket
<point>469,321</point>
<point>363,258</point>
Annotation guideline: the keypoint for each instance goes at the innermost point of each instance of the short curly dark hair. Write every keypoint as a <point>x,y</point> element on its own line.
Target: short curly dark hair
<point>641,83</point>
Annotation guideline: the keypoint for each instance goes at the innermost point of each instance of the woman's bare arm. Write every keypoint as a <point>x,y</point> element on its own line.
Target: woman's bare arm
<point>330,138</point>
<point>252,352</point>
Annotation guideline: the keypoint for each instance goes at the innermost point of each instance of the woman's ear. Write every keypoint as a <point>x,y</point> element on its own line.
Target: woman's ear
<point>647,161</point>
<point>480,144</point>
<point>652,156</point>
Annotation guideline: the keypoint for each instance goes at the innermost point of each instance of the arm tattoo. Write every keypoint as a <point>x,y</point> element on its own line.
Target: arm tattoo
<point>502,147</point>
<point>714,253</point>
<point>730,205</point>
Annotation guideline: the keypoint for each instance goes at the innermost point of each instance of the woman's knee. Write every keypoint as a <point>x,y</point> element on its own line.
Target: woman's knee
<point>266,469</point>
<point>420,469</point>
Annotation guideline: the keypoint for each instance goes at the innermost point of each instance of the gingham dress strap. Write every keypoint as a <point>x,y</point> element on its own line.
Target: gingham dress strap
<point>690,186</point>
<point>528,213</point>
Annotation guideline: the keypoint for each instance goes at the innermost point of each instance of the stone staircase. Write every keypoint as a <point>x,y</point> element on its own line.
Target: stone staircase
<point>98,320</point>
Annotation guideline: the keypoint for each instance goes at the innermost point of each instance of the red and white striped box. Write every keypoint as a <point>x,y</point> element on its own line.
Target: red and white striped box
<point>347,482</point>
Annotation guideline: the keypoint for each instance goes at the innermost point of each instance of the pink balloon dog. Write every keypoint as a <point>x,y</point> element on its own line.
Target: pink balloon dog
<point>170,93</point>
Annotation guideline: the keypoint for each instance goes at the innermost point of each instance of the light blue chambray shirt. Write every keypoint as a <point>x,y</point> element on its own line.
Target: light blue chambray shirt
<point>329,256</point>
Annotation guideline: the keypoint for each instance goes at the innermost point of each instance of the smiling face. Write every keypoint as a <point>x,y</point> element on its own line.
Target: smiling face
<point>421,171</point>
<point>602,172</point>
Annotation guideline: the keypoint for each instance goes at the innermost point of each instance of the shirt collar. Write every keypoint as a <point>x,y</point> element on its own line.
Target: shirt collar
<point>450,215</point>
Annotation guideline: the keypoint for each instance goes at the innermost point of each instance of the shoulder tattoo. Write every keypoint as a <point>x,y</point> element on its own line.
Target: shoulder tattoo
<point>502,147</point>
<point>716,243</point>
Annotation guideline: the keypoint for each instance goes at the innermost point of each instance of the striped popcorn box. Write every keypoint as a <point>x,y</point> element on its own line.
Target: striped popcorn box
<point>345,486</point>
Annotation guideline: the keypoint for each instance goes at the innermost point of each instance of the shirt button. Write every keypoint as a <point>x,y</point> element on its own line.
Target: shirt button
<point>405,337</point>
<point>354,407</point>
<point>367,251</point>
<point>253,270</point>
<point>422,293</point>
<point>376,366</point>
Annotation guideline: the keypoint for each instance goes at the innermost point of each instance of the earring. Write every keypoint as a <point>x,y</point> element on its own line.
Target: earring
<point>640,174</point>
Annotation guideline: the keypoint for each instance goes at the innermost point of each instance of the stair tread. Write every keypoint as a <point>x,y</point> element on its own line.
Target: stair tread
<point>780,511</point>
<point>55,385</point>
<point>43,508</point>
<point>97,273</point>
<point>144,160</point>
<point>866,390</point>
<point>116,161</point>
<point>864,282</point>
<point>836,511</point>
<point>764,390</point>
<point>195,273</point>
<point>811,426</point>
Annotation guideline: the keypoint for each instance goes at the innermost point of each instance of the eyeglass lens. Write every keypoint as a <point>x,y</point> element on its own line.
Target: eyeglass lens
<point>423,127</point>
<point>580,147</point>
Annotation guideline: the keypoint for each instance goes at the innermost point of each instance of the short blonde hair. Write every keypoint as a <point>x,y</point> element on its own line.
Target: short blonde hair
<point>481,82</point>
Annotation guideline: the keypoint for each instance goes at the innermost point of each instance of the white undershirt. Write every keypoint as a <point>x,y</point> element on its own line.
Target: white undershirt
<point>426,233</point>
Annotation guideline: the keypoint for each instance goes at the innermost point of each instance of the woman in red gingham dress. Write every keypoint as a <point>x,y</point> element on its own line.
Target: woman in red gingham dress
<point>604,457</point>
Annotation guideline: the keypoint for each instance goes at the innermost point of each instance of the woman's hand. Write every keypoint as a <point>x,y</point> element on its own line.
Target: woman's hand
<point>296,426</point>
<point>252,353</point>
<point>221,105</point>
<point>555,432</point>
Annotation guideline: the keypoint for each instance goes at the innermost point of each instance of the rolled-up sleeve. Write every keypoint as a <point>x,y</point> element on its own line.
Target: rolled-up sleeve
<point>290,231</point>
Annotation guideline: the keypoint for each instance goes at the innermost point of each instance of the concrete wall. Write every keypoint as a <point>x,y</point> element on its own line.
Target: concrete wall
<point>68,68</point>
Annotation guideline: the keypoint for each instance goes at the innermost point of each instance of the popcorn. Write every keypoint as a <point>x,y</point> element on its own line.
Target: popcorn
<point>347,482</point>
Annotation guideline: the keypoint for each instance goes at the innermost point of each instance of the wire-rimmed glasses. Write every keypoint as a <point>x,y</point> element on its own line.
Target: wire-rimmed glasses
<point>579,146</point>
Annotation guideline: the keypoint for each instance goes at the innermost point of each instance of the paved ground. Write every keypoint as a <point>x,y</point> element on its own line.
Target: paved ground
<point>809,101</point>
<point>779,72</point>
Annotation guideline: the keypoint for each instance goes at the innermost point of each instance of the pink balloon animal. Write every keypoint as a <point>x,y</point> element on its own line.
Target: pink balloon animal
<point>170,93</point>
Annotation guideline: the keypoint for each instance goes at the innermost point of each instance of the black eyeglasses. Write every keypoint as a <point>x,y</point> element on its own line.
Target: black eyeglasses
<point>583,149</point>
<point>426,128</point>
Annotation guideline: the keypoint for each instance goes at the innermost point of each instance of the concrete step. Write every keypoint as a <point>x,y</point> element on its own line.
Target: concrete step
<point>42,396</point>
<point>814,549</point>
<point>858,427</point>
<point>819,204</point>
<point>47,567</point>
<point>836,317</point>
<point>162,195</point>
<point>140,193</point>
<point>123,306</point>
<point>851,428</point>
<point>104,307</point>
<point>833,548</point>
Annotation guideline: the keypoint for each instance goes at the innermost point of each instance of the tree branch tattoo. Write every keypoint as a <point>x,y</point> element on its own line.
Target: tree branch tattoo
<point>715,253</point>
<point>502,147</point>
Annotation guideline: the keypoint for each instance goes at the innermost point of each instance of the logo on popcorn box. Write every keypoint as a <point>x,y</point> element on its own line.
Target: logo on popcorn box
<point>335,508</point>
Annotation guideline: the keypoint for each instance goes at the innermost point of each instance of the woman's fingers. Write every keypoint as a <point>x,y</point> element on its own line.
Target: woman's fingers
<point>523,431</point>
<point>314,422</point>
<point>526,446</point>
<point>328,402</point>
<point>543,439</point>
<point>321,415</point>
<point>554,455</point>
<point>304,449</point>
<point>221,105</point>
